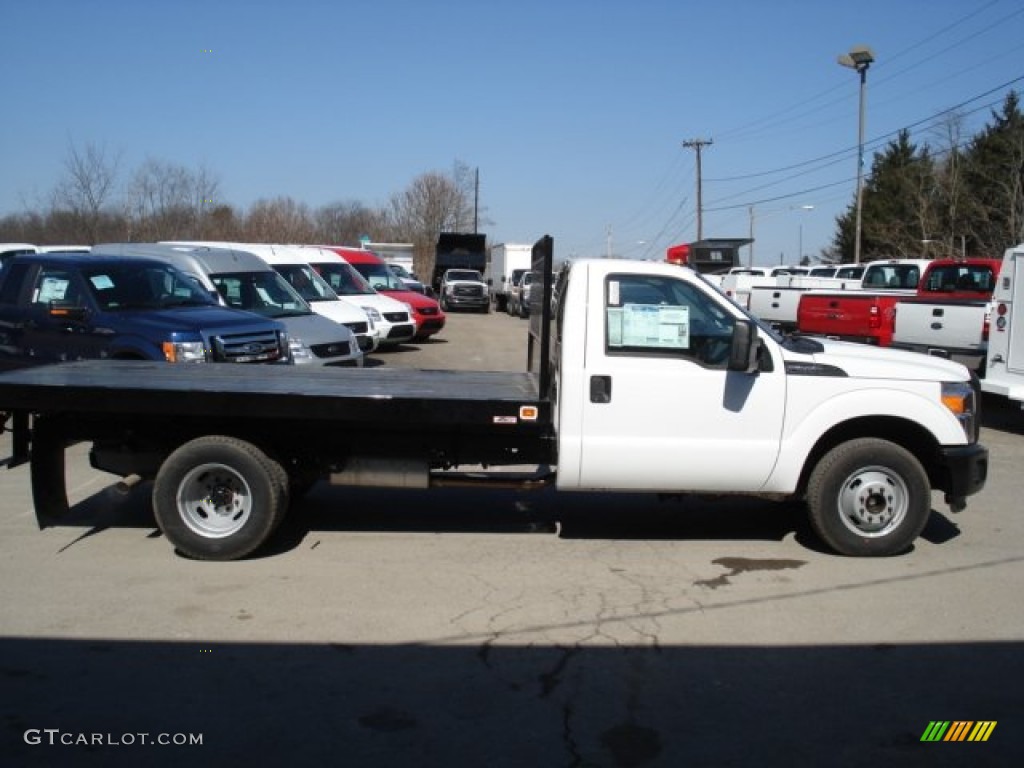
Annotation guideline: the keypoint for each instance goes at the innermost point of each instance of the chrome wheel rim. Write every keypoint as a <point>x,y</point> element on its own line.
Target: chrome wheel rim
<point>214,500</point>
<point>873,501</point>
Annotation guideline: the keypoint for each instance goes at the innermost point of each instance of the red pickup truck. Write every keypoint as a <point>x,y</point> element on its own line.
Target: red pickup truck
<point>864,315</point>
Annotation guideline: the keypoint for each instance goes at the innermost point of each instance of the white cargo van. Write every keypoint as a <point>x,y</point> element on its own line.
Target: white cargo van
<point>290,262</point>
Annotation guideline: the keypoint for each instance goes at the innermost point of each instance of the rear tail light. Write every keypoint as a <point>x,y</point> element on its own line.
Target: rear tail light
<point>874,318</point>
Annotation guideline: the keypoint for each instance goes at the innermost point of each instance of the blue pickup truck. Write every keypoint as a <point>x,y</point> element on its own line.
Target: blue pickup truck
<point>56,307</point>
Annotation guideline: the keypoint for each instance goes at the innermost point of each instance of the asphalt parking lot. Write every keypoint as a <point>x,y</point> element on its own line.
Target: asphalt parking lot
<point>458,627</point>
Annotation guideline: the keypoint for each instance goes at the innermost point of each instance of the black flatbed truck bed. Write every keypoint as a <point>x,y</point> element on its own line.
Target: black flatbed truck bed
<point>378,396</point>
<point>228,445</point>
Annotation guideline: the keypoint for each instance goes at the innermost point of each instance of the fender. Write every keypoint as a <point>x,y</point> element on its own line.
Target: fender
<point>809,417</point>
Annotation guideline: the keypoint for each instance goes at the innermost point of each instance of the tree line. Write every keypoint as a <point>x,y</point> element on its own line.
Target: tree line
<point>93,202</point>
<point>956,196</point>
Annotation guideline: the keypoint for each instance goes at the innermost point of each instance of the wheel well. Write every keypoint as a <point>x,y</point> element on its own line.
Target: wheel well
<point>904,432</point>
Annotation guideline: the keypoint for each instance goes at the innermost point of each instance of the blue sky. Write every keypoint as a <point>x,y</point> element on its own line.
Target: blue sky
<point>573,111</point>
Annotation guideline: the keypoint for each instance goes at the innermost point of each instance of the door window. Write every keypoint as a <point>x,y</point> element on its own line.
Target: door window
<point>653,315</point>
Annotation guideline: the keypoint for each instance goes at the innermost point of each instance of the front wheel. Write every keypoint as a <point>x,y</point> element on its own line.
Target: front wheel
<point>219,498</point>
<point>869,498</point>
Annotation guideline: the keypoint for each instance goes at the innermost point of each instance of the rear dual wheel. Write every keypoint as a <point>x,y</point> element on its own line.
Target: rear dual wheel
<point>219,498</point>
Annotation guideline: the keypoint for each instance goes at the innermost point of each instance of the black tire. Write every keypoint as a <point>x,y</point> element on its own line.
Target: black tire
<point>219,498</point>
<point>869,498</point>
<point>47,473</point>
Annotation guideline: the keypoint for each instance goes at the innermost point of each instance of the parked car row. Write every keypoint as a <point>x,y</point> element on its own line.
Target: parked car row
<point>132,300</point>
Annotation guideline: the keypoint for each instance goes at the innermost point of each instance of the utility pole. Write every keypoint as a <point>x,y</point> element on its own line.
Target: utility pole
<point>697,145</point>
<point>476,201</point>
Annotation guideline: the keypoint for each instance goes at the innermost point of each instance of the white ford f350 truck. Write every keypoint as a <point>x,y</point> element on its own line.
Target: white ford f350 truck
<point>640,376</point>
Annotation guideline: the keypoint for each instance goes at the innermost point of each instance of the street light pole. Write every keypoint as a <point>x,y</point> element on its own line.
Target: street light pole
<point>859,58</point>
<point>751,212</point>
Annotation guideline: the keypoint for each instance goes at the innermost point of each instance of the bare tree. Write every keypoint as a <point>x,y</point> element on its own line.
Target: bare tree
<point>87,188</point>
<point>431,204</point>
<point>346,223</point>
<point>166,201</point>
<point>281,220</point>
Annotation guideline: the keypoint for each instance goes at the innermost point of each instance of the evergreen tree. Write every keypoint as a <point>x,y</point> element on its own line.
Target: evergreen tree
<point>994,176</point>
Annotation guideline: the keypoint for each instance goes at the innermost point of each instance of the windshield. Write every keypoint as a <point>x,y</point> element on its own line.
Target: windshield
<point>464,274</point>
<point>961,277</point>
<point>265,293</point>
<point>380,277</point>
<point>762,327</point>
<point>343,279</point>
<point>892,276</point>
<point>401,271</point>
<point>118,287</point>
<point>306,282</point>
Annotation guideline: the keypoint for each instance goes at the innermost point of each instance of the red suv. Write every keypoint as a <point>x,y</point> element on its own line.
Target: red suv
<point>427,312</point>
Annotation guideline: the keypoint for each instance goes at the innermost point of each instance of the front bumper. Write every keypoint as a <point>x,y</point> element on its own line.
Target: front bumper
<point>963,472</point>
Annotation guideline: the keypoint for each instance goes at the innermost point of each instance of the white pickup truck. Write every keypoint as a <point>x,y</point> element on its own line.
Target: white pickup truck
<point>642,377</point>
<point>949,316</point>
<point>776,303</point>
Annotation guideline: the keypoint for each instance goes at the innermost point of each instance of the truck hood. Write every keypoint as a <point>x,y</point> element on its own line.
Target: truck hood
<point>864,361</point>
<point>210,319</point>
<point>466,282</point>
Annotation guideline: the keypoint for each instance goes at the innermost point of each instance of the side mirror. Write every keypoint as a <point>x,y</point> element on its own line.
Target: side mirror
<point>744,347</point>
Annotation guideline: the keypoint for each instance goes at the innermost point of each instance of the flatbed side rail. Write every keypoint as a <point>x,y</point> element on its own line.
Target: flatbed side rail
<point>538,346</point>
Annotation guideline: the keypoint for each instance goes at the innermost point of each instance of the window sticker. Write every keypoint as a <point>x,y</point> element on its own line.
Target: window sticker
<point>651,325</point>
<point>101,282</point>
<point>52,289</point>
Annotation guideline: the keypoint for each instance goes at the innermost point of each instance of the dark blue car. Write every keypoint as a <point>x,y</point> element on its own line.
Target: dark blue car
<point>57,307</point>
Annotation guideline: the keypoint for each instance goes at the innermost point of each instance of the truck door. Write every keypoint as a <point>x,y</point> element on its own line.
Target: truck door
<point>660,410</point>
<point>1015,342</point>
<point>58,326</point>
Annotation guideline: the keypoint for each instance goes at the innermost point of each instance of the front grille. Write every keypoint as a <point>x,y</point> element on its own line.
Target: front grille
<point>334,349</point>
<point>396,317</point>
<point>468,290</point>
<point>358,327</point>
<point>252,347</point>
<point>431,325</point>
<point>401,331</point>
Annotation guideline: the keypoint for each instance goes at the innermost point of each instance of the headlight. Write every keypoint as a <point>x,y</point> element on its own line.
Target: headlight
<point>301,353</point>
<point>962,400</point>
<point>372,313</point>
<point>184,351</point>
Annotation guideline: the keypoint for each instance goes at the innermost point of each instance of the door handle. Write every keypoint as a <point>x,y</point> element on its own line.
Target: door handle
<point>600,389</point>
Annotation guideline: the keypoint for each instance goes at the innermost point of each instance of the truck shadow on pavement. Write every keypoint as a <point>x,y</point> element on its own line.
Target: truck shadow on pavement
<point>598,516</point>
<point>499,702</point>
